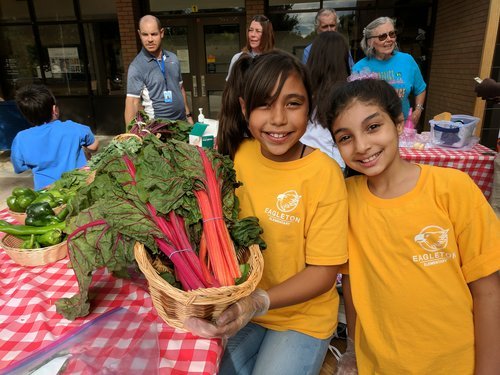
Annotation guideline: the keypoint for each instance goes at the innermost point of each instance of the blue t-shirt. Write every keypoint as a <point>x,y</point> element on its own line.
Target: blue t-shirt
<point>50,149</point>
<point>150,80</point>
<point>401,71</point>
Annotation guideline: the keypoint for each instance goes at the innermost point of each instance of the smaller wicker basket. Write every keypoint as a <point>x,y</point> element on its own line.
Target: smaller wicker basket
<point>32,257</point>
<point>21,216</point>
<point>124,136</point>
<point>175,305</point>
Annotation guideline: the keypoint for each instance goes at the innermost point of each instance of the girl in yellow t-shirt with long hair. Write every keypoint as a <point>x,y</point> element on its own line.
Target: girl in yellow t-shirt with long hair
<point>298,194</point>
<point>423,290</point>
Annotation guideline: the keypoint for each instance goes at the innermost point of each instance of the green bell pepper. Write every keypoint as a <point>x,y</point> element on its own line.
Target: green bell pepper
<point>39,210</point>
<point>24,201</point>
<point>50,238</point>
<point>20,191</point>
<point>21,198</point>
<point>46,197</point>
<point>40,214</point>
<point>58,195</point>
<point>47,220</point>
<point>13,205</point>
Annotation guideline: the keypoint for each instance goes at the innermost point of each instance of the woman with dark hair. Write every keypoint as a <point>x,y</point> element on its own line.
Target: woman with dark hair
<point>328,64</point>
<point>260,39</point>
<point>422,256</point>
<point>298,194</point>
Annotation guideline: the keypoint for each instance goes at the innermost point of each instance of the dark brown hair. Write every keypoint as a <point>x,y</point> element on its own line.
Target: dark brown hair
<point>36,103</point>
<point>267,38</point>
<point>370,91</point>
<point>328,64</point>
<point>254,80</point>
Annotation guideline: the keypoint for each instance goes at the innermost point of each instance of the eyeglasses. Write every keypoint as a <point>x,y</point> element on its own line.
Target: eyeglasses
<point>382,37</point>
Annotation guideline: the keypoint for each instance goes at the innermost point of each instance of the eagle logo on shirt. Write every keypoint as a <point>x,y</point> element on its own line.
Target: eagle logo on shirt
<point>432,238</point>
<point>288,201</point>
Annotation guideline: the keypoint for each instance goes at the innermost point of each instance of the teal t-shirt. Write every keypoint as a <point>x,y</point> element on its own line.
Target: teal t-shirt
<point>400,71</point>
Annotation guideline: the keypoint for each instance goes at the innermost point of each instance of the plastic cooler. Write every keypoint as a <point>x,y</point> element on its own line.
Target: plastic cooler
<point>455,133</point>
<point>11,123</point>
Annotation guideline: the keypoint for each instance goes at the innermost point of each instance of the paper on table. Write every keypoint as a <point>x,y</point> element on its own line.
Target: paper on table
<point>52,367</point>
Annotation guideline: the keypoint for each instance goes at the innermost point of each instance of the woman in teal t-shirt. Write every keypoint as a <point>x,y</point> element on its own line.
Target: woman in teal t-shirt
<point>399,69</point>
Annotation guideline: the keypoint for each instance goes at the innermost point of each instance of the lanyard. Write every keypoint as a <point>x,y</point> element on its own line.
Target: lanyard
<point>161,65</point>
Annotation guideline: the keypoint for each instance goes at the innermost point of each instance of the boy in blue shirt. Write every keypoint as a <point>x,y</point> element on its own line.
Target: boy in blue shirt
<point>51,147</point>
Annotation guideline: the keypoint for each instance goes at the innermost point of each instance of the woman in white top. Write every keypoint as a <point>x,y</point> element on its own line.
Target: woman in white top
<point>328,64</point>
<point>260,38</point>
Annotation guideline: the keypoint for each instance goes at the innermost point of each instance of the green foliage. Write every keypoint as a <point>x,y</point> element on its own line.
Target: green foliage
<point>110,214</point>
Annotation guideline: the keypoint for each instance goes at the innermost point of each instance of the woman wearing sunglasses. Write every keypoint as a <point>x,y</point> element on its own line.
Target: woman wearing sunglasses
<point>397,68</point>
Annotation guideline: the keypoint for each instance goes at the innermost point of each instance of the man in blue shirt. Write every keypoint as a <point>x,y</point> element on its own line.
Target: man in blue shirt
<point>326,20</point>
<point>154,80</point>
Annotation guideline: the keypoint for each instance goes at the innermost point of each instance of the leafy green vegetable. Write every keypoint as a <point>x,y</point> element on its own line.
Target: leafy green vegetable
<point>72,180</point>
<point>115,148</point>
<point>246,232</point>
<point>164,129</point>
<point>110,214</point>
<point>110,249</point>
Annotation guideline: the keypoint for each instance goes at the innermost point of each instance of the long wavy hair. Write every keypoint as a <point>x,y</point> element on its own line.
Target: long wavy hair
<point>258,81</point>
<point>267,38</point>
<point>328,64</point>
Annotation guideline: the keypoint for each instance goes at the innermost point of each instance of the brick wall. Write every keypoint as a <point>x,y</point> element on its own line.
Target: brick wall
<point>456,56</point>
<point>128,17</point>
<point>253,8</point>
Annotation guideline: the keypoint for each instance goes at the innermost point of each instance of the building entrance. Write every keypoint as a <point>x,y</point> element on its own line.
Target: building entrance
<point>204,46</point>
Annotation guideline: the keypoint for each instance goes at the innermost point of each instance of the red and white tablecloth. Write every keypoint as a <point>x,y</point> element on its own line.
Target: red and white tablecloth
<point>29,322</point>
<point>478,162</point>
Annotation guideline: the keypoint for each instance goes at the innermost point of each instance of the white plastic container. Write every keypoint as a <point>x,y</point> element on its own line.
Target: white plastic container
<point>456,133</point>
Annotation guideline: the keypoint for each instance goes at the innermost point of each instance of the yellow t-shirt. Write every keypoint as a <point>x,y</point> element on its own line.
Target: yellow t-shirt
<point>302,207</point>
<point>410,260</point>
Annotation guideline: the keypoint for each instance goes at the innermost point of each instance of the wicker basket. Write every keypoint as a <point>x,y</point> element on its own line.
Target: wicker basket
<point>124,136</point>
<point>32,257</point>
<point>175,305</point>
<point>21,216</point>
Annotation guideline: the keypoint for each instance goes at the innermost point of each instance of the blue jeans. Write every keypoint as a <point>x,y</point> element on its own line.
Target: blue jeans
<point>258,350</point>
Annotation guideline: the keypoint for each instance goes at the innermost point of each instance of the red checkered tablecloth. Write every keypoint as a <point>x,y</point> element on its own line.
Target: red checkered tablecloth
<point>29,322</point>
<point>478,162</point>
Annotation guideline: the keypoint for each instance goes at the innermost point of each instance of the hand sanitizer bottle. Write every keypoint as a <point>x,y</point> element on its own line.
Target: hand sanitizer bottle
<point>201,117</point>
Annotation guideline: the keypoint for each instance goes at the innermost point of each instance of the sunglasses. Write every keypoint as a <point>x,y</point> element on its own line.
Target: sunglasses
<point>382,37</point>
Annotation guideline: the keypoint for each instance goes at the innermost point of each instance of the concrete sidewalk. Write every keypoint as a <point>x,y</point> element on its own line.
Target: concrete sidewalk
<point>9,179</point>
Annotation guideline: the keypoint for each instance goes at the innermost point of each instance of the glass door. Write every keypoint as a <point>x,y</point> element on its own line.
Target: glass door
<point>204,46</point>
